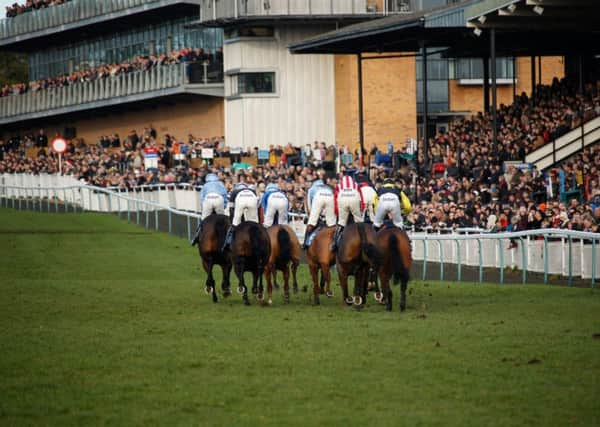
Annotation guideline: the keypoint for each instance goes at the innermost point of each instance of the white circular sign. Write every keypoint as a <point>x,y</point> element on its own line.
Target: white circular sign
<point>59,145</point>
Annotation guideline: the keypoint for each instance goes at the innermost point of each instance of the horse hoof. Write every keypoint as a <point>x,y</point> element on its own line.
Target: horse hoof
<point>246,302</point>
<point>295,289</point>
<point>316,301</point>
<point>402,307</point>
<point>330,294</point>
<point>304,288</point>
<point>240,290</point>
<point>226,293</point>
<point>357,300</point>
<point>270,302</point>
<point>349,300</point>
<point>379,296</point>
<point>388,308</point>
<point>260,296</point>
<point>208,290</point>
<point>275,285</point>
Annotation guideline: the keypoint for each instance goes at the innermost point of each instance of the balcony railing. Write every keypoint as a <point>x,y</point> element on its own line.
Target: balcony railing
<point>139,85</point>
<point>71,12</point>
<point>214,10</point>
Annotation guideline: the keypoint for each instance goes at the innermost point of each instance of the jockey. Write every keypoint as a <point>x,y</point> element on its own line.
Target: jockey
<point>212,199</point>
<point>274,201</point>
<point>245,203</point>
<point>348,200</point>
<point>320,200</point>
<point>369,196</point>
<point>389,202</point>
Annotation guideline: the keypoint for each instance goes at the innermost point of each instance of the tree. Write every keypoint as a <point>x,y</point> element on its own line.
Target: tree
<point>13,68</point>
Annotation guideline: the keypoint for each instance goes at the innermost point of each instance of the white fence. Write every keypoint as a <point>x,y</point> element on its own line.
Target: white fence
<point>551,252</point>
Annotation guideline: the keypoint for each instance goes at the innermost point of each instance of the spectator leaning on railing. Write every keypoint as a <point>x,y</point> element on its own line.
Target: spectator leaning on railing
<point>139,63</point>
<point>31,5</point>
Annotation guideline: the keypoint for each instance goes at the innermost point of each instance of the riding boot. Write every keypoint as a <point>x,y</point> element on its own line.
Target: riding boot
<point>228,238</point>
<point>336,237</point>
<point>309,230</point>
<point>197,234</point>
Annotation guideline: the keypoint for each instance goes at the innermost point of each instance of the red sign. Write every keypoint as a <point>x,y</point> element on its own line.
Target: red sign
<point>59,145</point>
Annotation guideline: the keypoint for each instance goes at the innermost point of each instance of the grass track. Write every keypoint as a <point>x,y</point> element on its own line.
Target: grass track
<point>106,323</point>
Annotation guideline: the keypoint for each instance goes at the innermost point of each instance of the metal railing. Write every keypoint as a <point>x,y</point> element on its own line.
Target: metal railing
<point>551,252</point>
<point>212,10</point>
<point>565,146</point>
<point>97,92</point>
<point>69,13</point>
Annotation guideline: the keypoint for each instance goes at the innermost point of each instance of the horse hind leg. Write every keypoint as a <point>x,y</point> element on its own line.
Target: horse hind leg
<point>326,277</point>
<point>269,270</point>
<point>242,288</point>
<point>403,286</point>
<point>286,283</point>
<point>314,273</point>
<point>295,264</point>
<point>210,281</point>
<point>225,284</point>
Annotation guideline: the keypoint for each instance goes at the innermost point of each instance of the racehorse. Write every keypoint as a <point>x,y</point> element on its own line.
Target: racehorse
<point>285,250</point>
<point>356,255</point>
<point>394,243</point>
<point>250,251</point>
<point>210,242</point>
<point>319,257</point>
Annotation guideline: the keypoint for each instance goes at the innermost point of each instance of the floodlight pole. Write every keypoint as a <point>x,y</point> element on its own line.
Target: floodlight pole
<point>532,80</point>
<point>361,128</point>
<point>494,94</point>
<point>486,83</point>
<point>425,106</point>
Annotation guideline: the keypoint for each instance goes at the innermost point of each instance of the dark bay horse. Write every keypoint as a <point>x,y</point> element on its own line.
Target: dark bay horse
<point>394,244</point>
<point>357,254</point>
<point>210,241</point>
<point>250,251</point>
<point>285,250</point>
<point>319,257</point>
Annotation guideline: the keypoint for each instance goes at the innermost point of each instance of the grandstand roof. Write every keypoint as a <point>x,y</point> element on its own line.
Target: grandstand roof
<point>553,27</point>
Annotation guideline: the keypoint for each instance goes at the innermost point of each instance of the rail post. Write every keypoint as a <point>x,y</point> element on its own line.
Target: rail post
<point>480,261</point>
<point>425,257</point>
<point>545,260</point>
<point>593,263</point>
<point>459,261</point>
<point>501,255</point>
<point>523,260</point>
<point>570,240</point>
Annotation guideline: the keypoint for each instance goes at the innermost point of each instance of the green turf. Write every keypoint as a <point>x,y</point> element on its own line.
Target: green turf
<point>106,323</point>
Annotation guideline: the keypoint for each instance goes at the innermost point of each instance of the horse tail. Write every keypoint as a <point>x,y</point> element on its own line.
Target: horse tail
<point>285,247</point>
<point>258,245</point>
<point>370,252</point>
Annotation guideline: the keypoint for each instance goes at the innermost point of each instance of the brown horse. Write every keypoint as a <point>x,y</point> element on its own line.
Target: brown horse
<point>250,251</point>
<point>397,261</point>
<point>210,241</point>
<point>356,255</point>
<point>321,258</point>
<point>285,250</point>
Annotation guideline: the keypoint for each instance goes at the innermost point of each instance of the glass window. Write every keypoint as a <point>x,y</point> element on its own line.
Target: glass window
<point>254,83</point>
<point>472,68</point>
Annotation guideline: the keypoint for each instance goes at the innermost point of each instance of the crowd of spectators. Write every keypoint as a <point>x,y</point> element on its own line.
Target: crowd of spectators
<point>139,63</point>
<point>30,5</point>
<point>473,188</point>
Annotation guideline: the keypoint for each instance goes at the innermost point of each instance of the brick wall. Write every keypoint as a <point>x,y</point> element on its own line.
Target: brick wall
<point>202,117</point>
<point>389,100</point>
<point>470,98</point>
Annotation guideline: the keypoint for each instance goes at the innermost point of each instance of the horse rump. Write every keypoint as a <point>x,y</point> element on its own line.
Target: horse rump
<point>396,260</point>
<point>259,243</point>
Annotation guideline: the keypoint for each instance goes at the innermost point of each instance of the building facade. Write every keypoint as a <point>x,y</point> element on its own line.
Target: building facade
<point>248,87</point>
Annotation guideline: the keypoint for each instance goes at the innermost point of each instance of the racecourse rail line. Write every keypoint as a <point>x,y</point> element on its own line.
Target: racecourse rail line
<point>175,209</point>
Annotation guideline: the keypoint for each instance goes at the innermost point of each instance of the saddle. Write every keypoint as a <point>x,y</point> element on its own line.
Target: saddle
<point>313,234</point>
